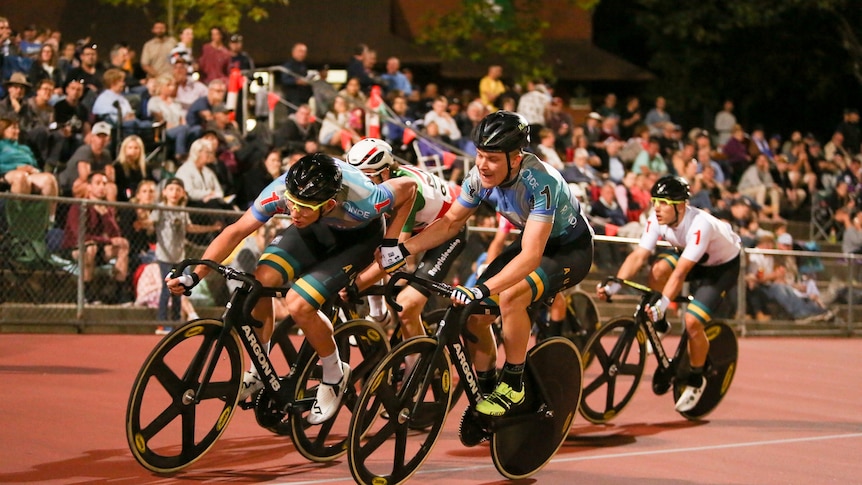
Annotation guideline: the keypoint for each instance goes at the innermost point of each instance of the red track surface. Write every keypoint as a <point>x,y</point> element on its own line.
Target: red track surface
<point>793,415</point>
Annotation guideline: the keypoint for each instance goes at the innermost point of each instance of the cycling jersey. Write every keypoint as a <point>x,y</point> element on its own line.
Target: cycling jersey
<point>359,202</point>
<point>433,198</point>
<point>702,237</point>
<point>538,193</point>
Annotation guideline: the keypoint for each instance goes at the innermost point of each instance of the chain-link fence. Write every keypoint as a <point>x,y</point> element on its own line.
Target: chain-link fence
<point>41,283</point>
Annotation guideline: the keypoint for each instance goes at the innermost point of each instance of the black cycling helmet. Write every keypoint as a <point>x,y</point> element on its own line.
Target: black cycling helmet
<point>502,131</point>
<point>671,187</point>
<point>314,178</point>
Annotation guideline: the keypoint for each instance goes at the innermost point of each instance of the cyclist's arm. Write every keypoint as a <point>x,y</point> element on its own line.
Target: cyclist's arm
<point>228,239</point>
<point>404,191</point>
<point>533,240</point>
<point>633,263</point>
<point>369,276</point>
<point>441,230</point>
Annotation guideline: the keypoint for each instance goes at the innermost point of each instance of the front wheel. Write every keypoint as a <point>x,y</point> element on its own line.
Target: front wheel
<point>169,425</point>
<point>617,355</point>
<point>382,445</point>
<point>718,372</point>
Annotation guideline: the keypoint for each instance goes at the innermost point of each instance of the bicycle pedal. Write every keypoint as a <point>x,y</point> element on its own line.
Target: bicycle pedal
<point>246,405</point>
<point>471,432</point>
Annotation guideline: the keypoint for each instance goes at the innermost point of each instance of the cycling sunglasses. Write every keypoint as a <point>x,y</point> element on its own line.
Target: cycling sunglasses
<point>663,201</point>
<point>303,205</point>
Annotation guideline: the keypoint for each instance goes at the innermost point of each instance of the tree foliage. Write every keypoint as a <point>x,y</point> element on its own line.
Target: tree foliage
<point>201,15</point>
<point>495,29</point>
<point>779,59</point>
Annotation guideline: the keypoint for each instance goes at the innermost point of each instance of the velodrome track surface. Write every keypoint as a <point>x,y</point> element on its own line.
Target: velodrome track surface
<point>793,415</point>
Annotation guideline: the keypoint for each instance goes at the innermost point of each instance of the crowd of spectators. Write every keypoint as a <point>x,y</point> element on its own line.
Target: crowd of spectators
<point>60,107</point>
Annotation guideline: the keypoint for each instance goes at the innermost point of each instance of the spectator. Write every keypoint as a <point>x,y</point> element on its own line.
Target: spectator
<point>582,173</point>
<point>200,111</point>
<point>736,153</point>
<point>533,104</point>
<point>849,128</point>
<point>336,135</point>
<point>301,132</point>
<point>560,121</point>
<point>171,228</point>
<point>395,80</point>
<point>156,54</point>
<point>836,145</point>
<point>136,225</point>
<point>39,124</point>
<point>214,62</point>
<point>90,72</point>
<point>650,159</point>
<point>118,58</point>
<point>446,125</point>
<point>630,118</point>
<point>184,50</point>
<point>14,104</point>
<point>239,58</point>
<point>73,119</point>
<point>130,168</point>
<point>657,117</point>
<point>258,177</point>
<point>491,87</point>
<point>546,151</point>
<point>189,90</point>
<point>103,241</point>
<point>202,184</point>
<point>352,93</point>
<point>757,182</point>
<point>92,156</point>
<point>725,120</point>
<point>165,108</point>
<point>766,282</point>
<point>45,67</point>
<point>18,166</point>
<point>851,240</point>
<point>111,105</point>
<point>66,60</point>
<point>606,217</point>
<point>356,68</point>
<point>295,84</point>
<point>608,109</point>
<point>759,144</point>
<point>29,44</point>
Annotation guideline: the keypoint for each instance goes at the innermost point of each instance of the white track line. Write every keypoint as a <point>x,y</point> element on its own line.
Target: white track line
<point>620,455</point>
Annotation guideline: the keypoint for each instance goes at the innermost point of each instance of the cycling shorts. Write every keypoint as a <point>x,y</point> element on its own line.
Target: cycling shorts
<point>709,285</point>
<point>437,262</point>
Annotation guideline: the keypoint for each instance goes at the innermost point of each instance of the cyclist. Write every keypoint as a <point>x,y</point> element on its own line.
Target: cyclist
<point>433,198</point>
<point>554,250</point>
<point>708,255</point>
<point>337,215</point>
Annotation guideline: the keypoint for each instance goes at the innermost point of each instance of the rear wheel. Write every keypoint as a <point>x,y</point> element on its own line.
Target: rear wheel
<point>617,356</point>
<point>524,443</point>
<point>719,371</point>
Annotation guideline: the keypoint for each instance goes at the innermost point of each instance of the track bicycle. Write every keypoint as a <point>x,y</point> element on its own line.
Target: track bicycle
<point>188,387</point>
<point>415,381</point>
<point>580,323</point>
<point>618,352</point>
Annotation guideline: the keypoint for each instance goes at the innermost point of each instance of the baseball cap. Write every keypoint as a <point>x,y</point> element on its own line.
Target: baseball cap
<point>236,38</point>
<point>785,238</point>
<point>102,128</point>
<point>221,108</point>
<point>175,181</point>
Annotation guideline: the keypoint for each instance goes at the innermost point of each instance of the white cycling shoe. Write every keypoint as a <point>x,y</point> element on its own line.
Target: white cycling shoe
<point>690,397</point>
<point>329,398</point>
<point>251,383</point>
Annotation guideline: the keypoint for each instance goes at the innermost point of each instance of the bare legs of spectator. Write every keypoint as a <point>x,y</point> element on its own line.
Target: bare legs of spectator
<point>43,183</point>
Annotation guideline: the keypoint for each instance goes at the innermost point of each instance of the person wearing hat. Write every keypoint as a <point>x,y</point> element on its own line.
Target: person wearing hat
<point>239,58</point>
<point>89,70</point>
<point>17,87</point>
<point>92,156</point>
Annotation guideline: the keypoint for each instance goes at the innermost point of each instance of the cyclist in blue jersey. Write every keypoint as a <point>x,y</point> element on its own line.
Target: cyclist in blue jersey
<point>553,252</point>
<point>337,215</point>
<point>433,198</point>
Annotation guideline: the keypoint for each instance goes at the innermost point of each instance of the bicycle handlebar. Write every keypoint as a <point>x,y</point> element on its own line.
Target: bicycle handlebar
<point>229,274</point>
<point>441,289</point>
<point>645,290</point>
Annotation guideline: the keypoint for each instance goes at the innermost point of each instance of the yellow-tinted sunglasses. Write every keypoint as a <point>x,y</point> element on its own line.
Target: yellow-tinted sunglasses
<point>663,201</point>
<point>303,205</point>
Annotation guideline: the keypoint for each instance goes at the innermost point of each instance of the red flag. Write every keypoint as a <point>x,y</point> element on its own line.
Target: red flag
<point>272,99</point>
<point>408,136</point>
<point>346,140</point>
<point>448,159</point>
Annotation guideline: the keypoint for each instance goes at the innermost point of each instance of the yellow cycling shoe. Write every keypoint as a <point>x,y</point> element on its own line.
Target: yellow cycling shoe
<point>501,401</point>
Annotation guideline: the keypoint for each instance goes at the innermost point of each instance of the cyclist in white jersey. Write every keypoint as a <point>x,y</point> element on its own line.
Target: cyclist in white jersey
<point>554,250</point>
<point>707,254</point>
<point>433,198</point>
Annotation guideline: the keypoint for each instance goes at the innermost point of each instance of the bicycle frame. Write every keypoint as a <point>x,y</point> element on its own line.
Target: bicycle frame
<point>237,316</point>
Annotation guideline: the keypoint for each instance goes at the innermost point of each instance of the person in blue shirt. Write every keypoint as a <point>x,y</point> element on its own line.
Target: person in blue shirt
<point>553,252</point>
<point>337,215</point>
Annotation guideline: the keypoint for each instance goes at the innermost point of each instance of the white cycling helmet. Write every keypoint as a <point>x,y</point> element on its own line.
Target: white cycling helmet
<point>370,154</point>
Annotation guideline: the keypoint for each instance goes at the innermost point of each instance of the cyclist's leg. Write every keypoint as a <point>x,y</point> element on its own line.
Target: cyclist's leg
<point>411,301</point>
